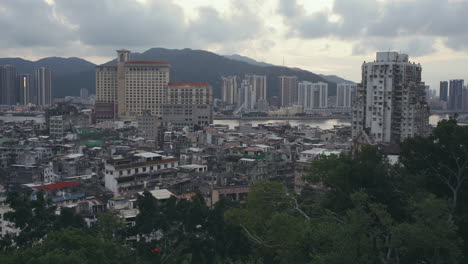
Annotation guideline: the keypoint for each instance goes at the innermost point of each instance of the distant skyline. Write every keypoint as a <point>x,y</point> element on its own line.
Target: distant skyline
<point>322,36</point>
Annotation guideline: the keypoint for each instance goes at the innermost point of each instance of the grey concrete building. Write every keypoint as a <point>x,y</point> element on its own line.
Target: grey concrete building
<point>25,89</point>
<point>43,82</point>
<point>390,104</point>
<point>455,100</point>
<point>188,104</point>
<point>288,90</point>
<point>148,125</point>
<point>8,85</point>
<point>229,89</point>
<point>443,92</point>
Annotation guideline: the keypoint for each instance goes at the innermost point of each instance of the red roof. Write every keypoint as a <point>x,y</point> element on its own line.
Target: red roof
<point>55,186</point>
<point>147,62</point>
<point>188,84</point>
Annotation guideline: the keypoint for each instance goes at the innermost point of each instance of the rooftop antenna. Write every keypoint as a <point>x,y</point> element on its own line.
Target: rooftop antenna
<point>283,61</point>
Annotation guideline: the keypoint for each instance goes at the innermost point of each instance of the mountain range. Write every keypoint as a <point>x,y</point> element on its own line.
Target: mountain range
<point>187,65</point>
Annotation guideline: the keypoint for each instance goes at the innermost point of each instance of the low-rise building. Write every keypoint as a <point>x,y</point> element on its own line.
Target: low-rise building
<point>136,172</point>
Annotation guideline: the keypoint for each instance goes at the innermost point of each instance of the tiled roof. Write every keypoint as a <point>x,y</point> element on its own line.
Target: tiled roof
<point>55,186</point>
<point>147,62</point>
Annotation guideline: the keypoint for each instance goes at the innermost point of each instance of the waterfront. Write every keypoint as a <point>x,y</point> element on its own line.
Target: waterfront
<point>322,123</point>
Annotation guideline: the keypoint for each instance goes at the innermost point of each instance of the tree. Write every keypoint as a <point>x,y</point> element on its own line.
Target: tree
<point>440,160</point>
<point>68,218</point>
<point>74,246</point>
<point>273,224</point>
<point>367,170</point>
<point>367,233</point>
<point>111,225</point>
<point>33,215</point>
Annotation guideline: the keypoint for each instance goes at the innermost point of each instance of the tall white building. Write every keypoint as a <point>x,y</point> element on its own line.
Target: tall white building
<point>43,82</point>
<point>249,95</point>
<point>345,94</point>
<point>229,89</point>
<point>259,85</point>
<point>313,96</point>
<point>390,104</point>
<point>288,90</point>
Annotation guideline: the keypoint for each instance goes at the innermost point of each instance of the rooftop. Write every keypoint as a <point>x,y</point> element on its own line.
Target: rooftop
<point>56,186</point>
<point>187,84</point>
<point>161,194</point>
<point>148,62</point>
<point>148,155</point>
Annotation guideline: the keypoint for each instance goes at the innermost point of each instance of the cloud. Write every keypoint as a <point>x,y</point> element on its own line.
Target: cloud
<point>413,46</point>
<point>30,24</point>
<point>213,27</point>
<point>393,23</point>
<point>107,24</point>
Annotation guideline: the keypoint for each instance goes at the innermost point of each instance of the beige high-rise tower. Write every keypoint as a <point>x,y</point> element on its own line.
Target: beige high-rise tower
<point>131,87</point>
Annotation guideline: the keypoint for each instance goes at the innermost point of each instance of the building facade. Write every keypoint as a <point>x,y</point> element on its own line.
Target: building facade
<point>134,173</point>
<point>345,94</point>
<point>259,85</point>
<point>84,94</point>
<point>443,92</point>
<point>133,86</point>
<point>43,82</point>
<point>455,100</point>
<point>188,104</point>
<point>313,96</point>
<point>148,125</point>
<point>25,89</point>
<point>229,90</point>
<point>390,104</point>
<point>288,90</point>
<point>8,94</point>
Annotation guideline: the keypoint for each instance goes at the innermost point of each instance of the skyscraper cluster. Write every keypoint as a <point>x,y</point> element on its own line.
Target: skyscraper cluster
<point>25,88</point>
<point>133,88</point>
<point>250,96</point>
<point>454,95</point>
<point>251,93</point>
<point>391,103</point>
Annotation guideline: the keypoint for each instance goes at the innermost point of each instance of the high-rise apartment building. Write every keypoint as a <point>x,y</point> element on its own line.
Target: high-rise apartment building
<point>43,83</point>
<point>443,91</point>
<point>390,104</point>
<point>259,85</point>
<point>229,90</point>
<point>455,100</point>
<point>248,96</point>
<point>84,94</point>
<point>465,99</point>
<point>8,94</point>
<point>288,90</point>
<point>132,87</point>
<point>345,94</point>
<point>25,89</point>
<point>313,96</point>
<point>188,104</point>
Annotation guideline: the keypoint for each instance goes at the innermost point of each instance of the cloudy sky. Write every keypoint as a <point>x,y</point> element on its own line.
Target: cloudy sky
<point>323,36</point>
